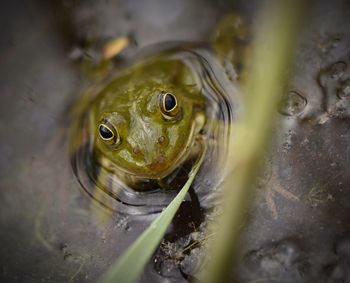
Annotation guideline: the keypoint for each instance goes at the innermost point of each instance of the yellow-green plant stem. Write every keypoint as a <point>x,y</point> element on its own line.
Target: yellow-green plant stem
<point>267,76</point>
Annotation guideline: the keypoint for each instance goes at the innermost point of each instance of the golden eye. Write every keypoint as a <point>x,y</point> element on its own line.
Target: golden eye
<point>108,134</point>
<point>168,105</point>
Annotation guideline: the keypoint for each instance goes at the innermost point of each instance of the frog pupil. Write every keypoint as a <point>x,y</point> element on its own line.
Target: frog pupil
<point>169,102</point>
<point>105,132</point>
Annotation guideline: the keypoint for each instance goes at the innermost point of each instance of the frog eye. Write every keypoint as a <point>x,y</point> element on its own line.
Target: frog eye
<point>108,133</point>
<point>168,105</point>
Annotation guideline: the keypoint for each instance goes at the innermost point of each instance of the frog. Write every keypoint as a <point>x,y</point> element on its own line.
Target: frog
<point>142,129</point>
<point>146,121</point>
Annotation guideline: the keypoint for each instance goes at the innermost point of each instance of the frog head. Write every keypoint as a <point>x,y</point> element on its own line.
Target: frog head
<point>145,121</point>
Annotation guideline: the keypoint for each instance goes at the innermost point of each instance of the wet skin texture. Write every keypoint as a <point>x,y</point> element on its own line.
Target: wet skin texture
<point>145,121</point>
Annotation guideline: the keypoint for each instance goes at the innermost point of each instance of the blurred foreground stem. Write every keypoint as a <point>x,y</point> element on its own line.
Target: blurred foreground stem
<point>272,54</point>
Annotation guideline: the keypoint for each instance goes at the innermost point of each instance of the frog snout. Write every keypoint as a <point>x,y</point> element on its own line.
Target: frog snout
<point>158,163</point>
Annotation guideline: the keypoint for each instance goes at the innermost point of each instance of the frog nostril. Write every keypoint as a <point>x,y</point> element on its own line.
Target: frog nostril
<point>136,150</point>
<point>161,139</point>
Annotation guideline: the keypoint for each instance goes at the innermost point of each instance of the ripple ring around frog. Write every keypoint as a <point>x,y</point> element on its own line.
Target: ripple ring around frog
<point>139,176</point>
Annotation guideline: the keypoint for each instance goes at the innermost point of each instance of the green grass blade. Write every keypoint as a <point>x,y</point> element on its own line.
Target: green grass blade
<point>131,264</point>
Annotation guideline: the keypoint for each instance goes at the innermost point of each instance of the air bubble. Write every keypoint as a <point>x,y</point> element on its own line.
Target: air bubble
<point>192,263</point>
<point>293,104</point>
<point>167,268</point>
<point>330,42</point>
<point>336,71</point>
<point>344,90</point>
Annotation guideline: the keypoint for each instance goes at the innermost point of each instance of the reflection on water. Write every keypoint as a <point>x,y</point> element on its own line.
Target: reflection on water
<point>105,180</point>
